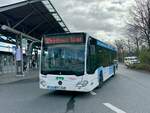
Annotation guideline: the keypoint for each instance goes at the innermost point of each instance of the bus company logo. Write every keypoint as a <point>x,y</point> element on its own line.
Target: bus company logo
<point>54,40</point>
<point>59,78</point>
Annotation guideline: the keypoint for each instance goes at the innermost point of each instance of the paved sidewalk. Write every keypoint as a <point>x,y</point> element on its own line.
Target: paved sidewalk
<point>11,77</point>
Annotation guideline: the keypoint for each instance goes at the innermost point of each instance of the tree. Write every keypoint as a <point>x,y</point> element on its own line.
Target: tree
<point>135,37</point>
<point>141,20</point>
<point>120,46</point>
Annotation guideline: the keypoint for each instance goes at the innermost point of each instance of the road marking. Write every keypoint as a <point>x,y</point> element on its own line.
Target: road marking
<point>110,106</point>
<point>93,93</point>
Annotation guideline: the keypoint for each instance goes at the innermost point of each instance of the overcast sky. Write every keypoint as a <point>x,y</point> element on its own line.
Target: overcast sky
<point>104,19</point>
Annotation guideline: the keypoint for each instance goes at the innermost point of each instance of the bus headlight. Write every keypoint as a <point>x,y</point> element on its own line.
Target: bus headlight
<point>43,83</point>
<point>82,84</point>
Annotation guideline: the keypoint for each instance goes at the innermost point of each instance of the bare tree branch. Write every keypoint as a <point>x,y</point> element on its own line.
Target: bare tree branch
<point>140,22</point>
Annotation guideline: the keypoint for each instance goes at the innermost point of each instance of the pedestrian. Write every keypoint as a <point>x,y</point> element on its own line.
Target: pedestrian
<point>33,61</point>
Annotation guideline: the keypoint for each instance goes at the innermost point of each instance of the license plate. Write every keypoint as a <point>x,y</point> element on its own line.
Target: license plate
<point>56,87</point>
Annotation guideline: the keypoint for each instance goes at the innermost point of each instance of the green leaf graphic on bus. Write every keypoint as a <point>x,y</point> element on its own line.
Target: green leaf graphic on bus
<point>59,78</point>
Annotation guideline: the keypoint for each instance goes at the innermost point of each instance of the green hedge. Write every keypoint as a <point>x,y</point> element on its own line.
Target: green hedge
<point>140,66</point>
<point>144,56</point>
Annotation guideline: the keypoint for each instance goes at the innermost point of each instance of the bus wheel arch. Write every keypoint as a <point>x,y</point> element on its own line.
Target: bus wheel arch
<point>100,79</point>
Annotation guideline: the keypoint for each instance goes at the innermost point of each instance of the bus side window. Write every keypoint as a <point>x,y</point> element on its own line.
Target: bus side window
<point>105,57</point>
<point>112,57</point>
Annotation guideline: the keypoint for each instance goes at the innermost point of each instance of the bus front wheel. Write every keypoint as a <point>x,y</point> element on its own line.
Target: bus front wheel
<point>114,72</point>
<point>100,80</point>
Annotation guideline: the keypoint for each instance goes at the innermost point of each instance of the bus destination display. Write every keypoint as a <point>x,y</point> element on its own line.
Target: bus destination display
<point>57,40</point>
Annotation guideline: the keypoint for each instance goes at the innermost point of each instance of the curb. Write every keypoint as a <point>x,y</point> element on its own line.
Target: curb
<point>22,80</point>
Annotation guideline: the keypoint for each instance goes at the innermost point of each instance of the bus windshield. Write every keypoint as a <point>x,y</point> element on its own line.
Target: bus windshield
<point>66,59</point>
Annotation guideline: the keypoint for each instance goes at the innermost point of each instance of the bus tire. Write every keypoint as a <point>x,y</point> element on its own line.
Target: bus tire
<point>114,72</point>
<point>100,80</point>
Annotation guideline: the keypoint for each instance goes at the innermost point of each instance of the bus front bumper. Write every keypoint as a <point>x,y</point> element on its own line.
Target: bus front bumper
<point>80,87</point>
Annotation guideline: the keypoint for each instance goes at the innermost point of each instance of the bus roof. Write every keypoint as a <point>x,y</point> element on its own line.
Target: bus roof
<point>105,45</point>
<point>64,34</point>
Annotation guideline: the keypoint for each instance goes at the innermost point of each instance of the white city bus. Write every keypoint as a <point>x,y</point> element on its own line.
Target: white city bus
<point>75,62</point>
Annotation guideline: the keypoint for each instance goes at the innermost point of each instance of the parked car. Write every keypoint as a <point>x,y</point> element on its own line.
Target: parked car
<point>131,60</point>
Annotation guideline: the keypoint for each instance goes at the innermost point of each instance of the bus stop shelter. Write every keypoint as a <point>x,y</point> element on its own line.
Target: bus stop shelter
<point>29,20</point>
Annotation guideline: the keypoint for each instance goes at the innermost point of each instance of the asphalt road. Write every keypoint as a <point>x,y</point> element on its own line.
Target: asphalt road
<point>127,92</point>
